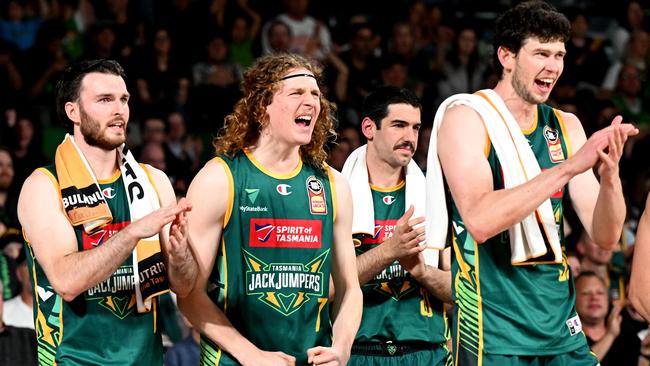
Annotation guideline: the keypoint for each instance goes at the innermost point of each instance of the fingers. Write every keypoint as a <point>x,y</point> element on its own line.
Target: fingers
<point>407,216</point>
<point>617,120</point>
<point>321,356</point>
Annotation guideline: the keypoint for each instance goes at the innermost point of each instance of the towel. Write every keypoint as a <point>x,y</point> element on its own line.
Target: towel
<point>85,205</point>
<point>529,238</point>
<point>363,219</point>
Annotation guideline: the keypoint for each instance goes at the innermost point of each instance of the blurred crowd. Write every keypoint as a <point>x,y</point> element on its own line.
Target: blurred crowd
<point>184,60</point>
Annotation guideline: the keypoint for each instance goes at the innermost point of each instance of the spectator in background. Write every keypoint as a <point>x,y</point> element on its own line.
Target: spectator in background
<point>215,79</point>
<point>279,37</point>
<point>601,325</point>
<point>629,99</point>
<point>243,32</point>
<point>462,70</point>
<point>17,27</point>
<point>11,80</point>
<point>585,61</point>
<point>99,42</point>
<point>161,77</point>
<point>18,311</point>
<point>599,261</point>
<point>46,62</point>
<point>8,198</point>
<point>636,53</point>
<point>632,19</point>
<point>310,37</point>
<point>26,146</point>
<point>363,67</point>
<point>17,345</point>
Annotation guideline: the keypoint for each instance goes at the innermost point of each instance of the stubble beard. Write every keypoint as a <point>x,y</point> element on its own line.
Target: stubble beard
<point>94,135</point>
<point>520,88</point>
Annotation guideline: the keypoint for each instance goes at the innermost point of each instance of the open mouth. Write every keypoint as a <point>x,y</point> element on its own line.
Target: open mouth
<point>303,120</point>
<point>544,83</point>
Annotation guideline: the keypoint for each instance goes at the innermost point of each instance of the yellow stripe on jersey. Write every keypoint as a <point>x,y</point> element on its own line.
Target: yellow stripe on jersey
<point>264,170</point>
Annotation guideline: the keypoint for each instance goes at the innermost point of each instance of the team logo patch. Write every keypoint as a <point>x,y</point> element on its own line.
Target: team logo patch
<point>286,287</point>
<point>116,293</point>
<point>283,189</point>
<point>554,145</point>
<point>90,241</point>
<point>384,229</point>
<point>388,200</point>
<point>316,193</point>
<point>108,192</point>
<point>285,233</point>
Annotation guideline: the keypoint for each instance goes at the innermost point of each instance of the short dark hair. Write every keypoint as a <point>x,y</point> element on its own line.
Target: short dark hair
<point>536,19</point>
<point>590,274</point>
<point>375,105</point>
<point>68,88</point>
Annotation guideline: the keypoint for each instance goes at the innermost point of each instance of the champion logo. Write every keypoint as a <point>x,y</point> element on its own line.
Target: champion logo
<point>388,200</point>
<point>108,192</point>
<point>264,232</point>
<point>283,189</point>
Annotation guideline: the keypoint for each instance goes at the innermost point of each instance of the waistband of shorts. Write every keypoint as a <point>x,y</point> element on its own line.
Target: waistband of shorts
<point>391,348</point>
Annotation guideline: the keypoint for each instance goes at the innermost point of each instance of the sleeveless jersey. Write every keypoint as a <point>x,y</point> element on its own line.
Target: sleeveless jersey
<point>395,306</point>
<point>516,309</point>
<point>101,326</point>
<point>271,274</point>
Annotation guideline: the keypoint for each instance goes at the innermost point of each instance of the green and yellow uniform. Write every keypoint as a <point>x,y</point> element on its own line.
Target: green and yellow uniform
<point>271,274</point>
<point>402,322</point>
<point>516,310</point>
<point>102,325</point>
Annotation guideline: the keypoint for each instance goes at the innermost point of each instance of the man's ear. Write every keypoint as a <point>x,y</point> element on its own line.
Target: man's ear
<point>507,58</point>
<point>368,128</point>
<point>72,111</point>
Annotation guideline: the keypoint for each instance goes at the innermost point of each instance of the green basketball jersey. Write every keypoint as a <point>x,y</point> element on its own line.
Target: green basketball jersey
<point>516,309</point>
<point>271,274</point>
<point>395,306</point>
<point>102,325</point>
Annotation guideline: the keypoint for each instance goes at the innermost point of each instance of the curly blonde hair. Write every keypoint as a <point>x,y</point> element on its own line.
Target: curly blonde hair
<point>242,127</point>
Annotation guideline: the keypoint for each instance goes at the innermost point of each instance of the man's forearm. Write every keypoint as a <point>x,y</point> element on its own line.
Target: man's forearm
<point>81,270</point>
<point>609,214</point>
<point>182,271</point>
<point>347,317</point>
<point>372,262</point>
<point>437,282</point>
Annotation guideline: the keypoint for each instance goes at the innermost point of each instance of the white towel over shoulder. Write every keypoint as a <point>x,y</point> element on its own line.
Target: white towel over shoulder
<point>355,170</point>
<point>519,165</point>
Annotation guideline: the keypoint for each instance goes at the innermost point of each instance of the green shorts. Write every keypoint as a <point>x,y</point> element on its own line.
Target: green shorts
<point>437,355</point>
<point>580,357</point>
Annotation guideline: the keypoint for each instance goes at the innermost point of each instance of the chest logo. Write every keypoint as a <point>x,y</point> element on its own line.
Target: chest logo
<point>388,200</point>
<point>286,287</point>
<point>285,233</point>
<point>283,189</point>
<point>108,192</point>
<point>554,145</point>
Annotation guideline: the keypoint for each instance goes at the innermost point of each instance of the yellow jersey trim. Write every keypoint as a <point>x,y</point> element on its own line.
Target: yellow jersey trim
<point>388,189</point>
<point>266,171</point>
<point>112,179</point>
<point>330,175</point>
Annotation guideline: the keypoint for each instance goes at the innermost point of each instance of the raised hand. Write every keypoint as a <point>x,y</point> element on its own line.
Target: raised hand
<point>593,150</point>
<point>407,237</point>
<point>178,232</point>
<point>154,222</point>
